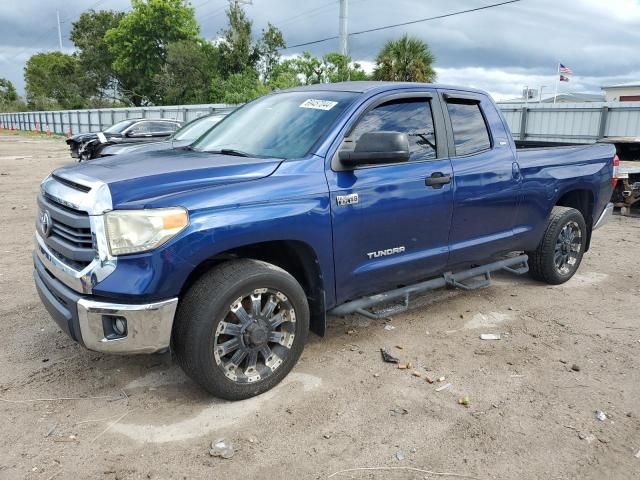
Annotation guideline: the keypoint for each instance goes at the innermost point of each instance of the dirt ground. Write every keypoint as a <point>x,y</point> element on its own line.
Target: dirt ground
<point>566,352</point>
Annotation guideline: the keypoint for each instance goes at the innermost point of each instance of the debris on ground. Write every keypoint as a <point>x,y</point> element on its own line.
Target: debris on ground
<point>429,379</point>
<point>637,455</point>
<point>389,327</point>
<point>600,415</point>
<point>327,436</point>
<point>466,401</point>
<point>575,368</point>
<point>388,358</point>
<point>399,347</point>
<point>399,411</point>
<point>589,438</point>
<point>441,379</point>
<point>405,366</point>
<point>443,387</point>
<point>222,448</point>
<point>416,373</point>
<point>400,455</point>
<point>489,336</point>
<point>351,331</point>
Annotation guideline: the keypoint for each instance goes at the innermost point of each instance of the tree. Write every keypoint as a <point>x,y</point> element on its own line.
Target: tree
<point>339,68</point>
<point>310,68</point>
<point>96,61</point>
<point>8,92</point>
<point>407,59</point>
<point>54,80</point>
<point>187,75</point>
<point>237,54</point>
<point>238,88</point>
<point>268,47</point>
<point>139,44</point>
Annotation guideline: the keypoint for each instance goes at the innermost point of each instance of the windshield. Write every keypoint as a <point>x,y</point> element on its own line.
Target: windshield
<point>281,125</point>
<point>196,128</point>
<point>120,126</point>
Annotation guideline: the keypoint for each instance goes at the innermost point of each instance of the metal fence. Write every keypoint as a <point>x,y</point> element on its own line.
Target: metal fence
<point>563,122</point>
<point>80,121</point>
<point>572,122</point>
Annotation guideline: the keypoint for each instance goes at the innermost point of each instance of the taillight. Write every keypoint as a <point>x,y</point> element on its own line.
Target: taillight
<point>614,176</point>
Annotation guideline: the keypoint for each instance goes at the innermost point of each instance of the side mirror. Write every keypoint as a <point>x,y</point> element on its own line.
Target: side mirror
<point>377,147</point>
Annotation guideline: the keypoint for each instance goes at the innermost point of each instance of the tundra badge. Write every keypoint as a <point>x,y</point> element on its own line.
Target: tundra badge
<point>388,251</point>
<point>350,199</point>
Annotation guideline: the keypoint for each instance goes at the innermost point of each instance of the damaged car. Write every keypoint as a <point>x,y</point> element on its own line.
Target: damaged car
<point>182,137</point>
<point>85,146</point>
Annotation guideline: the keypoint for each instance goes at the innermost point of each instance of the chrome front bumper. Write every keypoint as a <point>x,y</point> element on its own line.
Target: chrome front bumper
<point>148,326</point>
<point>604,216</point>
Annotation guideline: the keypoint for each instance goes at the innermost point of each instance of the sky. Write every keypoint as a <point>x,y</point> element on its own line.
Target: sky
<point>500,50</point>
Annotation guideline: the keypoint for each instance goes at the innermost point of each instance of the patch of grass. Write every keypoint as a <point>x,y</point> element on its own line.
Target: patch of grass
<point>32,134</point>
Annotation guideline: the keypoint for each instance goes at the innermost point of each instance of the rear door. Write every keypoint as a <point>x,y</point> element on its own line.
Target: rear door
<point>396,230</point>
<point>487,179</point>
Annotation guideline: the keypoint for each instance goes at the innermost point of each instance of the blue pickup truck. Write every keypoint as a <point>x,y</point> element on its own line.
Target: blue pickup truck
<point>326,199</point>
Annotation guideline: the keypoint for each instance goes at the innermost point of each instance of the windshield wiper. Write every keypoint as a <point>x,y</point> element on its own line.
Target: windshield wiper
<point>229,151</point>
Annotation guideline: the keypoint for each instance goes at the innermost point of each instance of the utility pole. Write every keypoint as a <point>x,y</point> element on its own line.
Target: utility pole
<point>59,31</point>
<point>344,35</point>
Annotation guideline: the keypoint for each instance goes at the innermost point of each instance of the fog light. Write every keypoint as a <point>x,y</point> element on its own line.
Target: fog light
<point>114,327</point>
<point>120,326</point>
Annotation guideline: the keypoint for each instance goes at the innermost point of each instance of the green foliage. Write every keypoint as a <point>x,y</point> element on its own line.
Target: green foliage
<point>407,59</point>
<point>237,88</point>
<point>54,80</point>
<point>237,53</point>
<point>154,55</point>
<point>285,75</point>
<point>187,74</point>
<point>95,59</point>
<point>139,44</point>
<point>9,99</point>
<point>8,92</point>
<point>269,51</point>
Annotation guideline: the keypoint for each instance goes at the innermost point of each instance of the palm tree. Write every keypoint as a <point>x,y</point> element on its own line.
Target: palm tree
<point>407,59</point>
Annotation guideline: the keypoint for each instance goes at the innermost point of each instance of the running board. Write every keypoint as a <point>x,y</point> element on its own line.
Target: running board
<point>399,298</point>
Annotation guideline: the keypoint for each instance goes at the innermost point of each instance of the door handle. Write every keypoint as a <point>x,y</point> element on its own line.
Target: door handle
<point>437,180</point>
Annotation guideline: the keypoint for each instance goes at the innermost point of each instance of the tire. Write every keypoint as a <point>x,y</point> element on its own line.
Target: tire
<point>240,302</point>
<point>560,251</point>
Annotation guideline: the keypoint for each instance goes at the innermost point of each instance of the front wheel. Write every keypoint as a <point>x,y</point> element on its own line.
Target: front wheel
<point>241,328</point>
<point>560,251</point>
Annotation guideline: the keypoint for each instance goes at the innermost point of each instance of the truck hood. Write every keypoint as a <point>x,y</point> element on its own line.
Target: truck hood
<point>137,179</point>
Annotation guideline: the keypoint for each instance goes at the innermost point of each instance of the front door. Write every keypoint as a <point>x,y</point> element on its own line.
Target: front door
<point>396,230</point>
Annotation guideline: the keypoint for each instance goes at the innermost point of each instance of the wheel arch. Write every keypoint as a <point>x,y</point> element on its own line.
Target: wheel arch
<point>582,199</point>
<point>295,257</point>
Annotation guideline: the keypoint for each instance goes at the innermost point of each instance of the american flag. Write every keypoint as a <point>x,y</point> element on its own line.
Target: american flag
<point>565,70</point>
<point>563,78</point>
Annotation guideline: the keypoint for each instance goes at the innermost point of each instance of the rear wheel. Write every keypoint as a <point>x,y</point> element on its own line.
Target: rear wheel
<point>241,328</point>
<point>560,251</point>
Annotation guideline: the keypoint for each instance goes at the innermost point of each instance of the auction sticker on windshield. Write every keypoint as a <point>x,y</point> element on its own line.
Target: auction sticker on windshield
<point>318,104</point>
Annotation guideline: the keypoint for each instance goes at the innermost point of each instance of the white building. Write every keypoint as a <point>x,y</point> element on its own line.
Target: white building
<point>625,92</point>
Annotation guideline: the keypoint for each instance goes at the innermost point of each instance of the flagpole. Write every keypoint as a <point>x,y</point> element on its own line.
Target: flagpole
<point>557,83</point>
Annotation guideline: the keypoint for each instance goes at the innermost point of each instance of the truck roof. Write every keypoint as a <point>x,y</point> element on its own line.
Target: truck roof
<point>369,85</point>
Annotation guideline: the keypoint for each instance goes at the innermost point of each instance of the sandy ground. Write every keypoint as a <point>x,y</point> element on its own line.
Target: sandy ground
<point>531,413</point>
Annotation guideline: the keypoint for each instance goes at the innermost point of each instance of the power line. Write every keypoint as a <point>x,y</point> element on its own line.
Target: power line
<point>385,27</point>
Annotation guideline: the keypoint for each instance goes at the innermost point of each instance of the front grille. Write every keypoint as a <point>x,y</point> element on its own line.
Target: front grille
<point>70,238</point>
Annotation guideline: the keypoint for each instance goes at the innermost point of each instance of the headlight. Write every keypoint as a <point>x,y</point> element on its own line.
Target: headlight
<point>134,231</point>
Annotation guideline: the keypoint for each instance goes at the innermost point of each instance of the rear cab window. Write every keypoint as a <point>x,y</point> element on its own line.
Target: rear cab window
<point>470,132</point>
